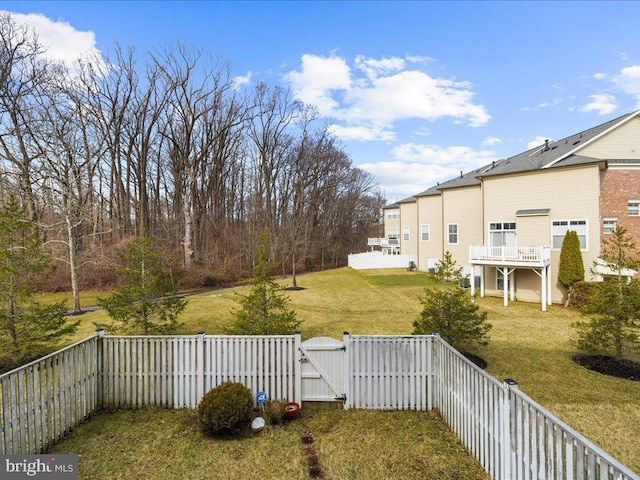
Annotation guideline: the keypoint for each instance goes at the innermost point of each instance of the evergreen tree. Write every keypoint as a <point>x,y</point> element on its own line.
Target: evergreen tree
<point>144,303</point>
<point>448,269</point>
<point>571,268</point>
<point>613,309</point>
<point>450,312</point>
<point>27,329</point>
<point>263,311</point>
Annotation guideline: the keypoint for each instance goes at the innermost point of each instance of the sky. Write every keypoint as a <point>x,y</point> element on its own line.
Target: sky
<point>415,91</point>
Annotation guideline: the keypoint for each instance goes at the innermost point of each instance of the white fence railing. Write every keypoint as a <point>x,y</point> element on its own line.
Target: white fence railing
<point>369,260</point>
<point>43,400</point>
<point>541,255</point>
<point>512,436</point>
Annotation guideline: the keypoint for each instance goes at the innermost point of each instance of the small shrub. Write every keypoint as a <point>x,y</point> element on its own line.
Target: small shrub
<point>581,292</point>
<point>274,411</point>
<point>225,409</point>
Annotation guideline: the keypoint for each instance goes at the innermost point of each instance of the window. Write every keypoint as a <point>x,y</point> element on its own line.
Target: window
<point>393,215</point>
<point>425,232</point>
<point>499,280</point>
<point>502,234</point>
<point>405,233</point>
<point>560,228</point>
<point>453,233</point>
<point>609,225</point>
<point>393,233</point>
<point>633,208</point>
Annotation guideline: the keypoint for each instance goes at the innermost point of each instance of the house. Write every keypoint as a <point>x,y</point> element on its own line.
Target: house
<point>505,222</point>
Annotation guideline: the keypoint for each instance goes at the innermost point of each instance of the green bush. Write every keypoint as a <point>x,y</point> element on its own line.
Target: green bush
<point>274,411</point>
<point>581,292</point>
<point>225,409</point>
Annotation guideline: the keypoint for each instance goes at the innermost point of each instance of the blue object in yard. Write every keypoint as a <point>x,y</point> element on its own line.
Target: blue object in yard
<point>261,398</point>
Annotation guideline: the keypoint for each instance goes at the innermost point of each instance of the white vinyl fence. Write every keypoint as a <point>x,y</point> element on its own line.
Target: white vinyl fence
<point>369,260</point>
<point>511,435</point>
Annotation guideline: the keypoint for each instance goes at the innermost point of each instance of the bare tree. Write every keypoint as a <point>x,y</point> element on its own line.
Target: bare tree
<point>22,70</point>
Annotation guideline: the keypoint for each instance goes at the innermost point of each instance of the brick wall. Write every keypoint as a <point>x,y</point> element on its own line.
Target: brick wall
<point>617,187</point>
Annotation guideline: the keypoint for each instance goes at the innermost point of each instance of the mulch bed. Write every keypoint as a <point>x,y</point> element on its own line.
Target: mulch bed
<point>478,361</point>
<point>627,369</point>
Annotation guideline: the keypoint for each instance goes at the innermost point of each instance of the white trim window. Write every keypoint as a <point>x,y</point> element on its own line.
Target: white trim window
<point>452,237</point>
<point>406,234</point>
<point>499,280</point>
<point>609,224</point>
<point>393,214</point>
<point>502,234</point>
<point>633,208</point>
<point>393,233</point>
<point>425,232</point>
<point>559,229</point>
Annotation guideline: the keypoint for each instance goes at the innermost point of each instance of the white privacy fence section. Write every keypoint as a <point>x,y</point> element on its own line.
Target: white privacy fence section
<point>369,260</point>
<point>175,372</point>
<point>262,363</point>
<point>389,373</point>
<point>44,400</point>
<point>512,436</point>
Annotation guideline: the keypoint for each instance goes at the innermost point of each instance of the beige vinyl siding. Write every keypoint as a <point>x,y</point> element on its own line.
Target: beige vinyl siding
<point>409,218</point>
<point>533,230</point>
<point>393,223</point>
<point>430,212</point>
<point>569,193</point>
<point>462,206</point>
<point>623,142</point>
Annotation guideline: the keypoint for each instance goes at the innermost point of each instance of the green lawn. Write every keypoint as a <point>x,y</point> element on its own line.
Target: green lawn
<point>168,445</point>
<point>529,345</point>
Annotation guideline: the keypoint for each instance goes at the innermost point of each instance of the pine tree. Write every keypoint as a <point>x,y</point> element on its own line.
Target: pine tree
<point>145,301</point>
<point>263,311</point>
<point>613,309</point>
<point>27,329</point>
<point>571,268</point>
<point>450,312</point>
<point>448,269</point>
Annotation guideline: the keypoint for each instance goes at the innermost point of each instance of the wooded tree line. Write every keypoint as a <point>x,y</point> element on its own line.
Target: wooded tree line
<point>166,144</point>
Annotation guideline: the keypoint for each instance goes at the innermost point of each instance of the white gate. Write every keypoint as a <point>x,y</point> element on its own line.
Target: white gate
<point>323,373</point>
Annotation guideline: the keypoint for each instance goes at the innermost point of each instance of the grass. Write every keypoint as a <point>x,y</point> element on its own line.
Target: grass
<point>529,345</point>
<point>349,445</point>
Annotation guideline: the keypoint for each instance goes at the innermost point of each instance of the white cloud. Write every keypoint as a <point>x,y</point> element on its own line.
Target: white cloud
<point>417,167</point>
<point>380,92</point>
<point>491,141</point>
<point>62,41</point>
<point>628,80</point>
<point>361,133</point>
<point>536,142</point>
<point>241,80</point>
<point>602,104</point>
<point>318,78</point>
<point>600,76</point>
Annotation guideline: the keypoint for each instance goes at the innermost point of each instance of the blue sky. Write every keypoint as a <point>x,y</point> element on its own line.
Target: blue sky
<point>416,91</point>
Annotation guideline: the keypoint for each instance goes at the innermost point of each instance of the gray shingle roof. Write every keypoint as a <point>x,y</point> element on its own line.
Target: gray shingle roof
<point>533,159</point>
<point>542,155</point>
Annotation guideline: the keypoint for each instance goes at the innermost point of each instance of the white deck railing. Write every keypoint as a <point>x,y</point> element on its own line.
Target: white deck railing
<point>383,242</point>
<point>480,253</point>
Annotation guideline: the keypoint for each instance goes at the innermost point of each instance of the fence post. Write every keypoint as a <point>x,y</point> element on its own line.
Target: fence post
<point>346,339</point>
<point>100,369</point>
<point>435,390</point>
<point>200,368</point>
<point>297,368</point>
<point>508,453</point>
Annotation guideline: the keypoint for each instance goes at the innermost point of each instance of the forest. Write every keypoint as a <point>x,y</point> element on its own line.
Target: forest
<point>167,144</point>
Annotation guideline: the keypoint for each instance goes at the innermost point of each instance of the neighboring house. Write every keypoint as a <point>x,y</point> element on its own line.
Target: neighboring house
<point>505,222</point>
